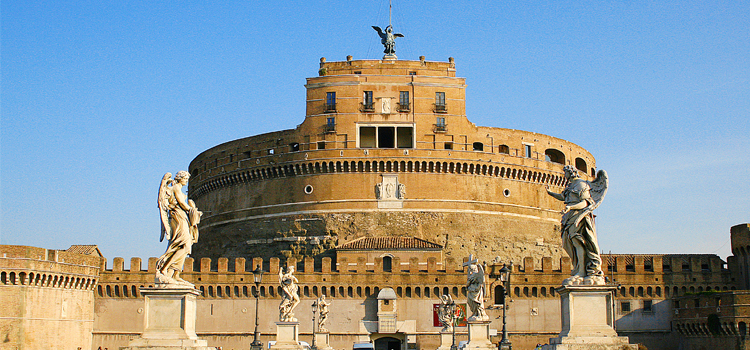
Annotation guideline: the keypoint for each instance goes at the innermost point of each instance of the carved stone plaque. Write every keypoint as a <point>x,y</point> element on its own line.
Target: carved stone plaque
<point>390,193</point>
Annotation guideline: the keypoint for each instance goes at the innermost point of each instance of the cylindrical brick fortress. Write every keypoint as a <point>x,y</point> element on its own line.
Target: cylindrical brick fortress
<point>385,149</point>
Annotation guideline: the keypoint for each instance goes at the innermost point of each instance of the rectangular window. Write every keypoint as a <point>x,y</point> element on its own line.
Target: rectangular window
<point>440,102</point>
<point>527,149</point>
<point>403,101</point>
<point>449,145</point>
<point>367,104</point>
<point>367,137</point>
<point>386,137</point>
<point>321,145</point>
<point>648,306</point>
<point>404,137</point>
<point>330,102</point>
<point>625,306</point>
<point>330,124</point>
<point>440,124</point>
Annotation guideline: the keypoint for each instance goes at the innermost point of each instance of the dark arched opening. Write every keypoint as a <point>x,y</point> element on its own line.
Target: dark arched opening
<point>581,165</point>
<point>387,264</point>
<point>554,156</point>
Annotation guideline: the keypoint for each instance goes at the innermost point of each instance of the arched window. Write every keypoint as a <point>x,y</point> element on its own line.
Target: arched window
<point>387,264</point>
<point>499,295</point>
<point>581,165</point>
<point>478,146</point>
<point>504,149</point>
<point>554,156</point>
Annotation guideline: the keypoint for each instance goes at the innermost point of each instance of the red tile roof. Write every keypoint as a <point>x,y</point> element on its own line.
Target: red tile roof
<point>389,243</point>
<point>85,249</point>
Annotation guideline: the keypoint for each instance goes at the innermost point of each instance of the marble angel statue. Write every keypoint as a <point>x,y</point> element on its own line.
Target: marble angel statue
<point>578,231</point>
<point>446,313</point>
<point>323,310</point>
<point>475,290</point>
<point>179,225</point>
<point>290,295</point>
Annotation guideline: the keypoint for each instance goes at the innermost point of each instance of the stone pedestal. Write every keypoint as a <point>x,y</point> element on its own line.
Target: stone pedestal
<point>479,336</point>
<point>588,320</point>
<point>446,341</point>
<point>287,336</point>
<point>322,341</point>
<point>169,320</point>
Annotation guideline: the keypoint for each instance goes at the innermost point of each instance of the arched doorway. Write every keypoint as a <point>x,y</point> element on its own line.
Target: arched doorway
<point>387,343</point>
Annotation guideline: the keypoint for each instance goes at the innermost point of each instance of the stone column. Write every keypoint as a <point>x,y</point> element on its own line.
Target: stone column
<point>169,320</point>
<point>587,320</point>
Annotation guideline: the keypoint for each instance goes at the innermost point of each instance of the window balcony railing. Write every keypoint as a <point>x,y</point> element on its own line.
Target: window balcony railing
<point>330,128</point>
<point>403,107</point>
<point>440,128</point>
<point>330,108</point>
<point>368,107</point>
<point>441,108</point>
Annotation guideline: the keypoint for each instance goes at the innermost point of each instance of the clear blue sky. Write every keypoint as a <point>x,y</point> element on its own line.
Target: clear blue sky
<point>101,98</point>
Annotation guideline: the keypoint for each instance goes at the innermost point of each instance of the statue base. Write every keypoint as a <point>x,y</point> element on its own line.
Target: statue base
<point>587,320</point>
<point>322,341</point>
<point>446,341</point>
<point>287,336</point>
<point>479,336</point>
<point>169,320</point>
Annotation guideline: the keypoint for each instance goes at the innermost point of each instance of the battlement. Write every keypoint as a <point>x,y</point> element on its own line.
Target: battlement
<point>637,276</point>
<point>39,267</point>
<point>619,263</point>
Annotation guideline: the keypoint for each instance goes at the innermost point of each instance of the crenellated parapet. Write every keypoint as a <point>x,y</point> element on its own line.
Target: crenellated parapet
<point>23,266</point>
<point>638,276</point>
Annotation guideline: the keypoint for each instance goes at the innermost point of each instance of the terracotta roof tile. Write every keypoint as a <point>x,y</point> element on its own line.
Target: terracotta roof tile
<point>85,249</point>
<point>389,243</point>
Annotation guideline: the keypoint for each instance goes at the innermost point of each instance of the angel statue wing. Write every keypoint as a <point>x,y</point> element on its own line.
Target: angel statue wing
<point>163,203</point>
<point>599,188</point>
<point>380,31</point>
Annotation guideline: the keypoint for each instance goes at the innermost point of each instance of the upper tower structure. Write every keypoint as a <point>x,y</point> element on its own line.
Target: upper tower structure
<point>385,149</point>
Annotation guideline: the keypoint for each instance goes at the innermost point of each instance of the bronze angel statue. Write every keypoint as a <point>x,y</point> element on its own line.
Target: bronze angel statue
<point>179,225</point>
<point>388,39</point>
<point>578,231</point>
